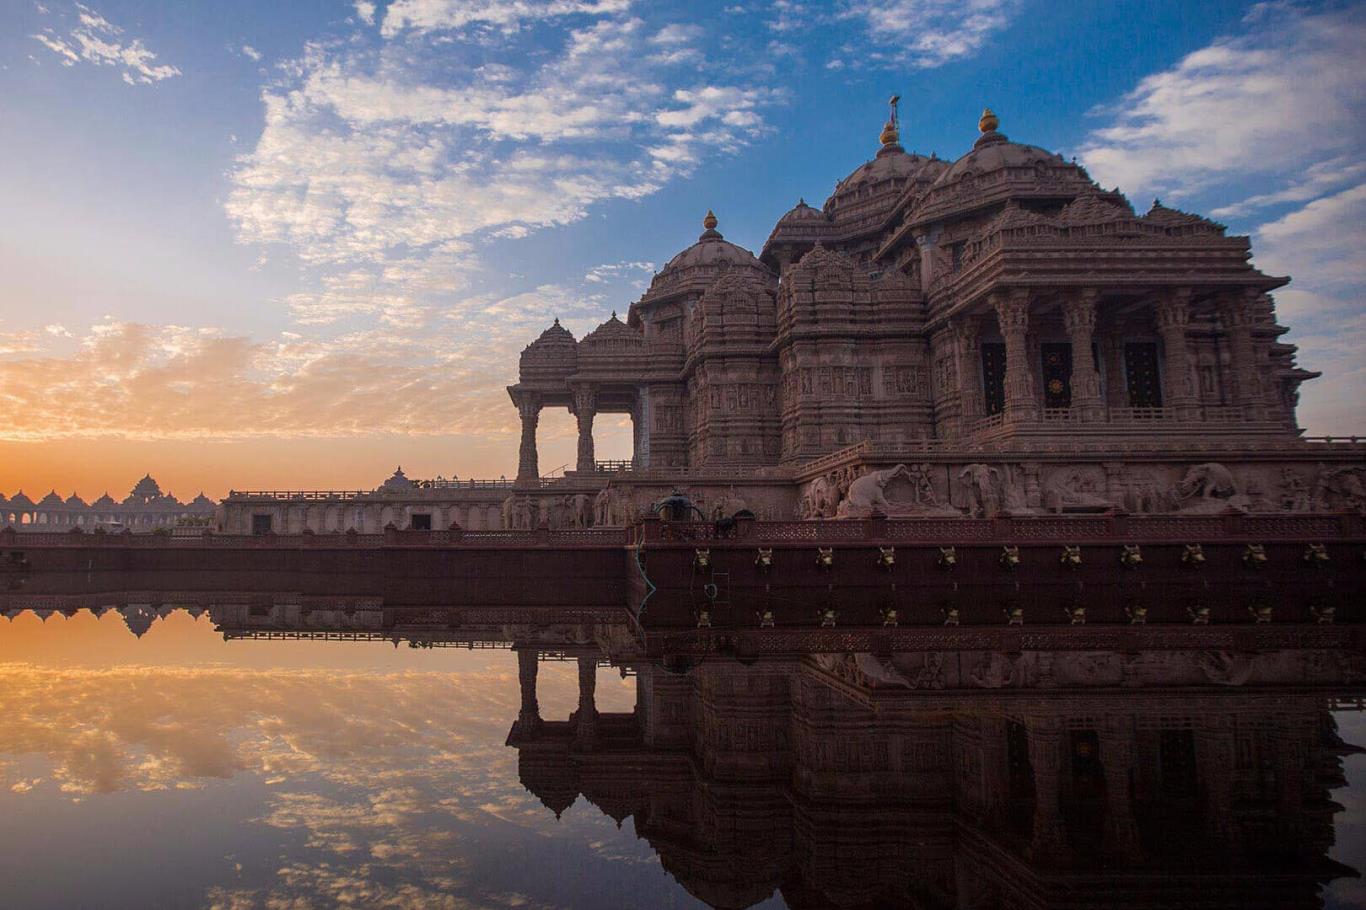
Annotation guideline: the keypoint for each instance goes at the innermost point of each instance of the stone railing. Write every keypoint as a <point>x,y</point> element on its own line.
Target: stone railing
<point>567,538</point>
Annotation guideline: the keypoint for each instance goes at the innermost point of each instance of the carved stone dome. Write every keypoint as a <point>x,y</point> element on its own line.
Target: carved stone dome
<point>801,213</point>
<point>885,176</point>
<point>612,333</point>
<point>549,356</point>
<point>997,169</point>
<point>699,265</point>
<point>710,250</point>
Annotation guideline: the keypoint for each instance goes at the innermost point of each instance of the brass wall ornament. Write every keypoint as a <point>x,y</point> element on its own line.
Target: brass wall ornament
<point>1316,555</point>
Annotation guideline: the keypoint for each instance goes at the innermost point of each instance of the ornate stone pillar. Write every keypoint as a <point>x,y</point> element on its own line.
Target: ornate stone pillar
<point>528,469</point>
<point>928,247</point>
<point>1237,312</point>
<point>1079,316</point>
<point>1180,392</point>
<point>969,337</point>
<point>1012,311</point>
<point>529,717</point>
<point>586,718</point>
<point>1045,755</point>
<point>1117,758</point>
<point>585,408</point>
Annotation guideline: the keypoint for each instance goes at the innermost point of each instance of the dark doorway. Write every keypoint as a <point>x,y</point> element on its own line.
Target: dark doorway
<point>1140,367</point>
<point>422,521</point>
<point>1176,750</point>
<point>994,376</point>
<point>261,524</point>
<point>1057,375</point>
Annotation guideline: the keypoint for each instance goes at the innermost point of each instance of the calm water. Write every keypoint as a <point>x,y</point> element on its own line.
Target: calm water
<point>180,769</point>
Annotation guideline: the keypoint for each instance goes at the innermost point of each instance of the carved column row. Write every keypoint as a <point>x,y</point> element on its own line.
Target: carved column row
<point>586,717</point>
<point>529,717</point>
<point>1079,316</point>
<point>969,351</point>
<point>1012,312</point>
<point>1172,313</point>
<point>528,465</point>
<point>585,409</point>
<point>1236,310</point>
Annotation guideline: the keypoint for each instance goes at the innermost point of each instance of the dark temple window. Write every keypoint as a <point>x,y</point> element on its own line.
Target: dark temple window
<point>994,376</point>
<point>1140,369</point>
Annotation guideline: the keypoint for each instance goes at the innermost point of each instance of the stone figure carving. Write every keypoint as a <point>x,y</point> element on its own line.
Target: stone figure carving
<point>1148,493</point>
<point>1340,488</point>
<point>1208,481</point>
<point>1210,487</point>
<point>1074,490</point>
<point>897,491</point>
<point>993,491</point>
<point>577,511</point>
<point>1294,492</point>
<point>819,500</point>
<point>602,507</point>
<point>866,496</point>
<point>517,513</point>
<point>983,482</point>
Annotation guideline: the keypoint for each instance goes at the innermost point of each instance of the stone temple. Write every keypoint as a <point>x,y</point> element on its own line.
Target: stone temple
<point>996,334</point>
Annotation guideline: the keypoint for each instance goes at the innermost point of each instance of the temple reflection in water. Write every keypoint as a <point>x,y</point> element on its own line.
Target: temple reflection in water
<point>1196,775</point>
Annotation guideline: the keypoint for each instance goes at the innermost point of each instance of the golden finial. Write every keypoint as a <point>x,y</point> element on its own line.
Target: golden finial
<point>710,221</point>
<point>989,121</point>
<point>891,132</point>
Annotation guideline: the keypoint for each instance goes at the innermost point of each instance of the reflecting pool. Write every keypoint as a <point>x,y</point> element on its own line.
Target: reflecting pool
<point>277,755</point>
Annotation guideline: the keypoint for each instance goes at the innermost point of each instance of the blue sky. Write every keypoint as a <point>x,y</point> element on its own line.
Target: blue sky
<point>338,223</point>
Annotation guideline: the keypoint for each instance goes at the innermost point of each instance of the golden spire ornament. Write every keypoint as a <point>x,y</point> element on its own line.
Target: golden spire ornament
<point>709,222</point>
<point>891,131</point>
<point>989,121</point>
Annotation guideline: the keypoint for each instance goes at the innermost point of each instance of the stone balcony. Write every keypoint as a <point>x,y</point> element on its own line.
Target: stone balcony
<point>1111,421</point>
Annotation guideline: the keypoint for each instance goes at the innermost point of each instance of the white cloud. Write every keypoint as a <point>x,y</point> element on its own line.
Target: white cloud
<point>433,15</point>
<point>1283,96</point>
<point>250,52</point>
<point>1263,124</point>
<point>96,40</point>
<point>1317,179</point>
<point>928,33</point>
<point>677,34</point>
<point>617,271</point>
<point>365,11</point>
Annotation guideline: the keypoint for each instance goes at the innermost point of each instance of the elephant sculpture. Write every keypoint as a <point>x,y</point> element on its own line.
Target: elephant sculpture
<point>1209,480</point>
<point>866,496</point>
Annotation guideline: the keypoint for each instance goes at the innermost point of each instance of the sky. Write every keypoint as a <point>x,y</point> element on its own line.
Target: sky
<point>266,245</point>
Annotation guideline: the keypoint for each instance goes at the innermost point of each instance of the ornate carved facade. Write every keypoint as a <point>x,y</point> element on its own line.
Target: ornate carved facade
<point>1003,302</point>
